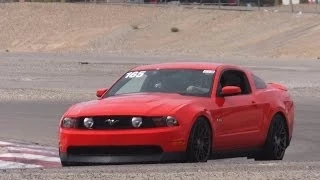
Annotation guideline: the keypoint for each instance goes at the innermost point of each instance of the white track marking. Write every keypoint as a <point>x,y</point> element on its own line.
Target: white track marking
<point>20,156</point>
<point>33,146</point>
<point>3,143</point>
<point>28,150</point>
<point>16,165</point>
<point>30,157</point>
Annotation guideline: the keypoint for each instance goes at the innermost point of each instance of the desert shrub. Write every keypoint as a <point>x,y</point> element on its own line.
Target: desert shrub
<point>174,29</point>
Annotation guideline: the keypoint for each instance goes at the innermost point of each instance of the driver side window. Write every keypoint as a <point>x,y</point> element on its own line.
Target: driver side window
<point>234,78</point>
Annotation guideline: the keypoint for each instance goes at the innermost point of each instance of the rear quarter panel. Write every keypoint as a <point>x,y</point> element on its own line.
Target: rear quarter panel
<point>273,101</point>
<point>274,98</point>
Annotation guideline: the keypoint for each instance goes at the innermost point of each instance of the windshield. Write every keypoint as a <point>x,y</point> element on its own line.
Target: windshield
<point>183,81</point>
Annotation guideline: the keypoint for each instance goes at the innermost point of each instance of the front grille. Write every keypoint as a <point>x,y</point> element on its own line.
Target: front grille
<point>114,150</point>
<point>123,122</point>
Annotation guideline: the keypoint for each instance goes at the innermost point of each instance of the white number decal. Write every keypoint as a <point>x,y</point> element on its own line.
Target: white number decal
<point>128,74</point>
<point>140,74</point>
<point>134,74</point>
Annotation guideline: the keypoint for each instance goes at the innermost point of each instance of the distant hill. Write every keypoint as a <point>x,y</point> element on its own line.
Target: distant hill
<point>59,27</point>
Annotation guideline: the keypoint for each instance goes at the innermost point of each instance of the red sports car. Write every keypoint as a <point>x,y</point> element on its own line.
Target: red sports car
<point>183,112</point>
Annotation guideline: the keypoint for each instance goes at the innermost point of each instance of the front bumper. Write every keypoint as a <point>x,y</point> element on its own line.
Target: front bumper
<point>163,157</point>
<point>170,141</point>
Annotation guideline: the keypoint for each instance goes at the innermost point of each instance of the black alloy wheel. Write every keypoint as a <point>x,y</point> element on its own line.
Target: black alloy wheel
<point>200,141</point>
<point>277,140</point>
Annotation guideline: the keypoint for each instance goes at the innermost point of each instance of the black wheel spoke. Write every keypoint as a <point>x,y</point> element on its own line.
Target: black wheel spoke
<point>279,139</point>
<point>203,153</point>
<point>200,142</point>
<point>206,142</point>
<point>204,132</point>
<point>283,144</point>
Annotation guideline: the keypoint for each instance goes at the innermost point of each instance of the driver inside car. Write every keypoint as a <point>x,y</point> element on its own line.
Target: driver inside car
<point>196,89</point>
<point>201,85</point>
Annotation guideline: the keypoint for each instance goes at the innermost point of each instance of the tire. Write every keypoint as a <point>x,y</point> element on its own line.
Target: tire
<point>200,142</point>
<point>66,164</point>
<point>69,164</point>
<point>277,140</point>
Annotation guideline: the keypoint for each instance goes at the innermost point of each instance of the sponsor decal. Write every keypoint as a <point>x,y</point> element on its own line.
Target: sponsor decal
<point>207,71</point>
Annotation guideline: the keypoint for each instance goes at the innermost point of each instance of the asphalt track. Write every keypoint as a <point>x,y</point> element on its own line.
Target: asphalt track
<point>37,88</point>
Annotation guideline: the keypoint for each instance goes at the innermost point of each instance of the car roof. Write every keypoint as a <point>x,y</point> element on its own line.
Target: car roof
<point>182,65</point>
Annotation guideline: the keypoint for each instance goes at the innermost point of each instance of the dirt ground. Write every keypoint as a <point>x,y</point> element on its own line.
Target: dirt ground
<point>41,46</point>
<point>138,30</point>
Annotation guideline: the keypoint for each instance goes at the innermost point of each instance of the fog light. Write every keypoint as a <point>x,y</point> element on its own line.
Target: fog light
<point>136,122</point>
<point>88,123</point>
<point>171,121</point>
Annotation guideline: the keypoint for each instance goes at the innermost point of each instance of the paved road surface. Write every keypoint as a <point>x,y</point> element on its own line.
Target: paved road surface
<point>36,89</point>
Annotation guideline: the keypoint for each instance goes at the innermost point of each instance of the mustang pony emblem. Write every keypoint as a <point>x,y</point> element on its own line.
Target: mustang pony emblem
<point>111,122</point>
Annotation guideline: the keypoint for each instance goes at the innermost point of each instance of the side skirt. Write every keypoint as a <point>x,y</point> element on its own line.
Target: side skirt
<point>249,153</point>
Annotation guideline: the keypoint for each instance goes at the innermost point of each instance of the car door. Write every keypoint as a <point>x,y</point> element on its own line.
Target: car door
<point>237,116</point>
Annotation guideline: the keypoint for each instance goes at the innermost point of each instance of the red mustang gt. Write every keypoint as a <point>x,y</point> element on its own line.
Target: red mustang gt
<point>185,112</point>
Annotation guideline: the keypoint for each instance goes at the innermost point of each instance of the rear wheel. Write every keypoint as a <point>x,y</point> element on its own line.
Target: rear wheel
<point>277,139</point>
<point>200,140</point>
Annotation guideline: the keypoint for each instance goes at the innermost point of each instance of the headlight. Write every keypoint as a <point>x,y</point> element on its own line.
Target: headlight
<point>171,121</point>
<point>165,121</point>
<point>88,122</point>
<point>68,123</point>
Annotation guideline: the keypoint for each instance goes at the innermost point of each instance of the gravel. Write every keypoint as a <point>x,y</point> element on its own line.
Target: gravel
<point>49,77</point>
<point>201,171</point>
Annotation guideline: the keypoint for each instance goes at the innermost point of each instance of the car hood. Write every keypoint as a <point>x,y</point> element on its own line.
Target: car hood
<point>134,104</point>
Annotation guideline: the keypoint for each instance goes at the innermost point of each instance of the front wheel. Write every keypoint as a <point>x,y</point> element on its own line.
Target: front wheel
<point>200,141</point>
<point>277,140</point>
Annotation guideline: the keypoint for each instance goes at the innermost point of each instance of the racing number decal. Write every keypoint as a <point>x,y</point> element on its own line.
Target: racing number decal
<point>135,74</point>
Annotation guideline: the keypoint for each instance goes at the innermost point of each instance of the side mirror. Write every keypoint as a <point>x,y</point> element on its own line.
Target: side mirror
<point>230,90</point>
<point>101,92</point>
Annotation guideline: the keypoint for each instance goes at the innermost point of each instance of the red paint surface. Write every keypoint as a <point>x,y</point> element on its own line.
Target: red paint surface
<point>238,122</point>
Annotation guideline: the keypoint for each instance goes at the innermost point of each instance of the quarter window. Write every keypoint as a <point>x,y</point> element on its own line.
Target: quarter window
<point>258,82</point>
